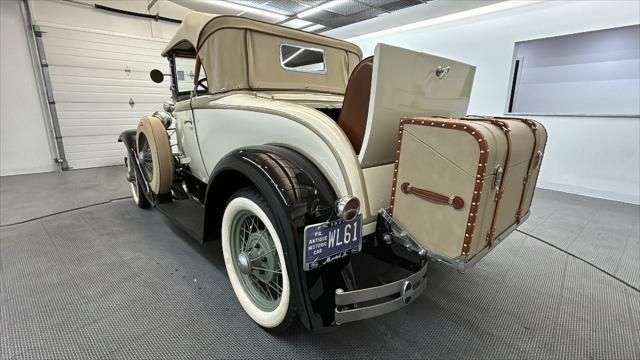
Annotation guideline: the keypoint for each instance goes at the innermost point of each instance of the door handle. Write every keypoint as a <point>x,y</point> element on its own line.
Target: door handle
<point>188,122</point>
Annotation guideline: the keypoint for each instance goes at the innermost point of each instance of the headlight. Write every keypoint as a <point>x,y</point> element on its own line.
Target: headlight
<point>165,117</point>
<point>347,207</point>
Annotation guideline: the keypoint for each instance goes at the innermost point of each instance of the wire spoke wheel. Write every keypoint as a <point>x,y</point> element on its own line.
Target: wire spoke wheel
<point>136,188</point>
<point>145,156</point>
<point>256,260</point>
<point>254,255</point>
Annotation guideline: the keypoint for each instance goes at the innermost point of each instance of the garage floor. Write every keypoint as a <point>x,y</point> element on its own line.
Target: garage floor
<point>114,281</point>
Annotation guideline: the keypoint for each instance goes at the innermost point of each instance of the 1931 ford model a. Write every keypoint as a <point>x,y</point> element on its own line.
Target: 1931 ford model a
<point>328,190</point>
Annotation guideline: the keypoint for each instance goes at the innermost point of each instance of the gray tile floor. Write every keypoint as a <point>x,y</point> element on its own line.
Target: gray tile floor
<point>114,281</point>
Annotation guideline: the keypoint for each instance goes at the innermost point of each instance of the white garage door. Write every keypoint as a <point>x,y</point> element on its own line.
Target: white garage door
<point>101,86</point>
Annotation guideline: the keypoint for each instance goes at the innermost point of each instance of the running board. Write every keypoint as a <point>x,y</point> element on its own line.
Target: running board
<point>187,214</point>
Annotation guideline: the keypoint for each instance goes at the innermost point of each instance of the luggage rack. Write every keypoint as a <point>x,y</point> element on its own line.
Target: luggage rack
<point>393,232</point>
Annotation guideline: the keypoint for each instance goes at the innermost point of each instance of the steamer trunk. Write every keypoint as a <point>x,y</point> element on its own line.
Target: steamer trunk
<point>461,184</point>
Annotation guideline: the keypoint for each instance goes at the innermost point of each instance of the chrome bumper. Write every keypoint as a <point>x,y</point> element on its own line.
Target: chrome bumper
<point>392,296</point>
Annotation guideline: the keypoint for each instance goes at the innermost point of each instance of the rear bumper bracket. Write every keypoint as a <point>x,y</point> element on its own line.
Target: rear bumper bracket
<point>374,301</point>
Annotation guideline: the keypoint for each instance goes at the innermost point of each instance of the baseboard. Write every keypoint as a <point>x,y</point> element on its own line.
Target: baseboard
<point>596,193</point>
<point>29,170</point>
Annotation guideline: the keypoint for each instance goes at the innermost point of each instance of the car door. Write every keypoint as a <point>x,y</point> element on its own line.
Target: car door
<point>185,124</point>
<point>188,143</point>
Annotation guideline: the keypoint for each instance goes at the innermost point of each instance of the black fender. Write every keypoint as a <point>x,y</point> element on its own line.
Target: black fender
<point>128,138</point>
<point>300,195</point>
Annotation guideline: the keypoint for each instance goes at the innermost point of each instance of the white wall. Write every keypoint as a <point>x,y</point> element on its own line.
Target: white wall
<point>24,147</point>
<point>586,155</point>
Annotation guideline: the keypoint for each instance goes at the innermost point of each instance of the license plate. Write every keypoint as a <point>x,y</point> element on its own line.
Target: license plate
<point>332,240</point>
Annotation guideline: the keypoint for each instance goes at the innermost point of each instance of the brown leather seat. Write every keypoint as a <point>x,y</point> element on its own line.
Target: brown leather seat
<point>353,116</point>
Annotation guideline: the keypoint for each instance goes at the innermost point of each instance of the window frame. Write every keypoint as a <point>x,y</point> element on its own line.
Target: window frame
<point>175,90</point>
<point>324,58</point>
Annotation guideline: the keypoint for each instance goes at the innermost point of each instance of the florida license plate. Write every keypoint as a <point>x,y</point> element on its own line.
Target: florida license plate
<point>332,240</point>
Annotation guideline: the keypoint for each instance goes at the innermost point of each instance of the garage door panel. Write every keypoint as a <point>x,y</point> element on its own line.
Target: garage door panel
<point>96,54</point>
<point>130,121</point>
<point>102,115</point>
<point>80,131</point>
<point>97,63</point>
<point>102,87</point>
<point>56,43</point>
<point>93,153</point>
<point>79,96</point>
<point>92,140</point>
<point>98,107</point>
<point>74,36</point>
<point>59,71</point>
<point>124,82</point>
<point>88,149</point>
<point>98,162</point>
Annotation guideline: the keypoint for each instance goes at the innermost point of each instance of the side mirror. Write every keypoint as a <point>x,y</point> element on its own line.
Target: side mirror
<point>157,76</point>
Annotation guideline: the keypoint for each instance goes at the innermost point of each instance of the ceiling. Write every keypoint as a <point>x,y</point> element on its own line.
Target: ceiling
<point>308,15</point>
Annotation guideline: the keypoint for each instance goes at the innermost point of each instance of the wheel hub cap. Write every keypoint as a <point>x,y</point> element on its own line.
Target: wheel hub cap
<point>244,263</point>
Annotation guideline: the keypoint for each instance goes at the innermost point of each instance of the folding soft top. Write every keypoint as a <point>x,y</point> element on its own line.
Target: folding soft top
<point>240,53</point>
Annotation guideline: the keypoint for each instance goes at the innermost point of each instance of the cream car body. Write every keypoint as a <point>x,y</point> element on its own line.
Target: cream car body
<point>301,147</point>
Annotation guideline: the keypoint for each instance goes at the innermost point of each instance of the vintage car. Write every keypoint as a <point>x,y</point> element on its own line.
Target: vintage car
<point>330,180</point>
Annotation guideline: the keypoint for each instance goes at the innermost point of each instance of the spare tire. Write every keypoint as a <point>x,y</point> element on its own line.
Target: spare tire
<point>154,152</point>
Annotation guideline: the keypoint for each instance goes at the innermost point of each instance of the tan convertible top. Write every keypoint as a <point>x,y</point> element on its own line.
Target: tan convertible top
<point>239,53</point>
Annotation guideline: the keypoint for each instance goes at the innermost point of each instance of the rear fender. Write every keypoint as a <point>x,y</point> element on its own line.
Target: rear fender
<point>300,195</point>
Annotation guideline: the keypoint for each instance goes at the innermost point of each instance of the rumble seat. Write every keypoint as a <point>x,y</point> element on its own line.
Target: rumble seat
<point>353,116</point>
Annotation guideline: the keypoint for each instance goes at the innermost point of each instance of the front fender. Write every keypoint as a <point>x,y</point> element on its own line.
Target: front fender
<point>300,195</point>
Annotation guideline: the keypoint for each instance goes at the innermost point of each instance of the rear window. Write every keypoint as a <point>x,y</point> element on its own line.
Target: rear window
<point>304,59</point>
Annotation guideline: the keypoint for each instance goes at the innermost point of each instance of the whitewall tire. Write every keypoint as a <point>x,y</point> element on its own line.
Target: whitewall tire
<point>254,258</point>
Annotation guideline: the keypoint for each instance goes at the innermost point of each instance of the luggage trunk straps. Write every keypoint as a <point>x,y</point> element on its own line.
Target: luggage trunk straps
<point>505,128</point>
<point>532,164</point>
